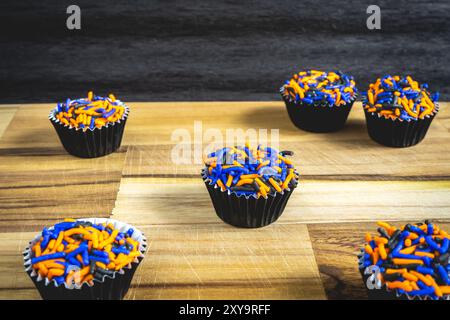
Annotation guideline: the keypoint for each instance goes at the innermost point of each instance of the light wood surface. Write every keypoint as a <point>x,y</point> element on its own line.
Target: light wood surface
<point>222,262</point>
<point>6,114</point>
<point>154,201</point>
<point>347,183</point>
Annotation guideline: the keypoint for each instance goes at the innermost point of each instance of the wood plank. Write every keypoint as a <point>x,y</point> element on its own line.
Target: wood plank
<point>15,283</point>
<point>149,201</point>
<point>320,160</point>
<point>223,262</point>
<point>348,154</point>
<point>6,115</point>
<point>213,115</point>
<point>443,116</point>
<point>346,180</point>
<point>244,115</point>
<point>31,128</point>
<point>40,183</point>
<point>200,262</point>
<point>37,190</point>
<point>336,246</point>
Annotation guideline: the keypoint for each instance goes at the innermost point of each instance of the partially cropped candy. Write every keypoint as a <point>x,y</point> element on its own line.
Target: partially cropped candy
<point>413,259</point>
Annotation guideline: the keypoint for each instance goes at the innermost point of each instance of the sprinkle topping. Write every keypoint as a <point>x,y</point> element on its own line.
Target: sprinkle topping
<point>75,252</point>
<point>91,112</point>
<point>320,88</point>
<point>413,259</point>
<point>400,98</point>
<point>251,172</point>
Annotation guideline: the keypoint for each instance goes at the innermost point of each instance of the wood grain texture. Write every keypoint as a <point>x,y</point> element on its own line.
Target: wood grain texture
<point>223,262</point>
<point>31,129</point>
<point>347,181</point>
<point>40,183</point>
<point>15,284</point>
<point>348,154</point>
<point>336,246</point>
<point>246,115</point>
<point>6,115</point>
<point>149,201</point>
<point>37,190</point>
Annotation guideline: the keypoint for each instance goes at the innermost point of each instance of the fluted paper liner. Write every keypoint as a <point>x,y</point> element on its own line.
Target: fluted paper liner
<point>397,132</point>
<point>384,293</point>
<point>90,143</point>
<point>110,287</point>
<point>246,211</point>
<point>318,118</point>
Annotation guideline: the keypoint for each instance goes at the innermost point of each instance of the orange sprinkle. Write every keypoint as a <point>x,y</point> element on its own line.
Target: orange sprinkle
<point>406,261</point>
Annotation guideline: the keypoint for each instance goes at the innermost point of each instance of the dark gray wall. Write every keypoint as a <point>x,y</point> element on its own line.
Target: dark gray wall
<point>205,50</point>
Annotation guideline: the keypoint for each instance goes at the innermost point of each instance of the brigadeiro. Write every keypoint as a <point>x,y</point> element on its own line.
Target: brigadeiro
<point>409,262</point>
<point>399,110</point>
<point>249,187</point>
<point>90,127</point>
<point>89,259</point>
<point>319,101</point>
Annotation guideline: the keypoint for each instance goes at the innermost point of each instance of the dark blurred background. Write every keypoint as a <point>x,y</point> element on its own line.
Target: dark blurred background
<point>210,50</point>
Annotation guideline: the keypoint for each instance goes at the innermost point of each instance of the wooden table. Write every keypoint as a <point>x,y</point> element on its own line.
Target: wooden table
<point>347,183</point>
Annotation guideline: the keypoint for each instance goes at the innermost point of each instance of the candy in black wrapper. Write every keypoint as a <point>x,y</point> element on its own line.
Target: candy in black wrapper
<point>111,285</point>
<point>381,293</point>
<point>318,118</point>
<point>397,133</point>
<point>406,263</point>
<point>319,101</point>
<point>89,143</point>
<point>247,212</point>
<point>109,288</point>
<point>399,110</point>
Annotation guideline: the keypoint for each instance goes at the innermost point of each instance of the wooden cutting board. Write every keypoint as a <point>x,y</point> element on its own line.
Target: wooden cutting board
<point>347,183</point>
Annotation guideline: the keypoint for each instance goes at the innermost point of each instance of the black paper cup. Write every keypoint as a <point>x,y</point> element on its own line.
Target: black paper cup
<point>110,287</point>
<point>397,133</point>
<point>384,293</point>
<point>317,118</point>
<point>90,143</point>
<point>247,212</point>
<point>381,293</point>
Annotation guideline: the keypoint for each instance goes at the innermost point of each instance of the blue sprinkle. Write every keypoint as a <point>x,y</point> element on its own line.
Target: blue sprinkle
<point>48,257</point>
<point>92,125</point>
